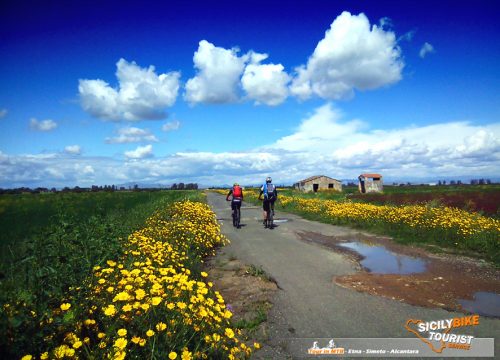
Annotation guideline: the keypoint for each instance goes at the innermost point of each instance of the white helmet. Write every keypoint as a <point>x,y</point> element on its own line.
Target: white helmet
<point>268,179</point>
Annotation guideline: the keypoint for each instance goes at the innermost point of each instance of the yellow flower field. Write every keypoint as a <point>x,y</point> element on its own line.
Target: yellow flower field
<point>153,302</point>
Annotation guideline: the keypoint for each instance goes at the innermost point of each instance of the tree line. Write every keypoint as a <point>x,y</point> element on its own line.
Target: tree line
<point>96,188</point>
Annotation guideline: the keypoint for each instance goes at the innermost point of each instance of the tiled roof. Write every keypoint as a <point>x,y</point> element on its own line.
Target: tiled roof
<point>315,177</point>
<point>370,175</point>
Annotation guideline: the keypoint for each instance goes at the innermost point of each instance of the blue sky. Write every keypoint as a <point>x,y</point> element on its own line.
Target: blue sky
<point>213,92</point>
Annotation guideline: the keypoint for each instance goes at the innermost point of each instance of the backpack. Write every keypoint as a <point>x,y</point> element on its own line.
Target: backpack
<point>269,191</point>
<point>237,192</point>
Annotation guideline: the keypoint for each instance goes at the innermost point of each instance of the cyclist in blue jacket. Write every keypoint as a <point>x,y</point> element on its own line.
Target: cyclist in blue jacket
<point>270,195</point>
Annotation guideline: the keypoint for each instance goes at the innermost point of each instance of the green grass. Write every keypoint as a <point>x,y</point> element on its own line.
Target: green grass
<point>259,316</point>
<point>258,271</point>
<point>24,215</point>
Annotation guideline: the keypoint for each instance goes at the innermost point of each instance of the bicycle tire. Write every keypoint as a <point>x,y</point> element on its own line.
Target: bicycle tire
<point>270,220</point>
<point>238,218</point>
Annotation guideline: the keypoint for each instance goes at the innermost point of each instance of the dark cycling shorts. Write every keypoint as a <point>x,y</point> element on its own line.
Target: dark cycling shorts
<point>235,204</point>
<point>267,204</point>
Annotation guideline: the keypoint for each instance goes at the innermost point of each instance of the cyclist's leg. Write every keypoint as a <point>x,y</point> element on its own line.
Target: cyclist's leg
<point>233,211</point>
<point>271,214</point>
<point>238,216</point>
<point>264,211</point>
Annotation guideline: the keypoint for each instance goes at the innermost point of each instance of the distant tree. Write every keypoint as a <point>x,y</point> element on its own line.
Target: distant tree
<point>440,183</point>
<point>136,187</point>
<point>122,188</point>
<point>452,182</point>
<point>488,182</point>
<point>53,190</point>
<point>180,186</point>
<point>459,182</point>
<point>174,186</point>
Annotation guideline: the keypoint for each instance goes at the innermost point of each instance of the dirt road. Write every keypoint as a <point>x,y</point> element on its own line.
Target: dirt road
<point>309,304</point>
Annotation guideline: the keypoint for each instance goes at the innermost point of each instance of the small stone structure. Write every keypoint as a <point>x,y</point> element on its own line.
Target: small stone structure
<point>319,182</point>
<point>370,183</point>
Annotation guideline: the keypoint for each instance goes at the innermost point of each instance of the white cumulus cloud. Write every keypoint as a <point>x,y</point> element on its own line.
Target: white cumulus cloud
<point>141,94</point>
<point>352,55</point>
<point>218,75</point>
<point>426,49</point>
<point>326,142</point>
<point>43,125</point>
<point>132,135</point>
<point>140,152</point>
<point>265,83</point>
<point>170,126</point>
<point>3,113</point>
<point>73,149</point>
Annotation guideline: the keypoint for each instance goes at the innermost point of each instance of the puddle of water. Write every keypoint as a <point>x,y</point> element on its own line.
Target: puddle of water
<point>484,303</point>
<point>280,220</point>
<point>378,259</point>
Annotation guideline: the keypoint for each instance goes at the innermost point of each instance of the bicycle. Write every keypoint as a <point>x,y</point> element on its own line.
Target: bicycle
<point>269,219</point>
<point>236,217</point>
<point>236,214</point>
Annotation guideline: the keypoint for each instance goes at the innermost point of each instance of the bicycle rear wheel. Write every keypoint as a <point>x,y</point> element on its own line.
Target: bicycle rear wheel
<point>270,220</point>
<point>238,218</point>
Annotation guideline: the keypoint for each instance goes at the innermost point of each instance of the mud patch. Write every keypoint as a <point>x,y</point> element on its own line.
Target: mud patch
<point>450,282</point>
<point>248,293</point>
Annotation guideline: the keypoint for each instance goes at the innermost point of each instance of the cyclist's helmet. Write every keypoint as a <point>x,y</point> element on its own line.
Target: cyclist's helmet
<point>268,179</point>
<point>236,184</point>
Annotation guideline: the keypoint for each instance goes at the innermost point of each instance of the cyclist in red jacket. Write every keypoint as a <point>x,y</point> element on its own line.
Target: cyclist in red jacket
<point>237,193</point>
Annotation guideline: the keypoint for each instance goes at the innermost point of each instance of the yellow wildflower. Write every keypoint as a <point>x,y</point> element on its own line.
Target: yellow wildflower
<point>120,343</point>
<point>181,305</point>
<point>109,310</point>
<point>65,306</point>
<point>111,263</point>
<point>161,326</point>
<point>229,333</point>
<point>156,300</point>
